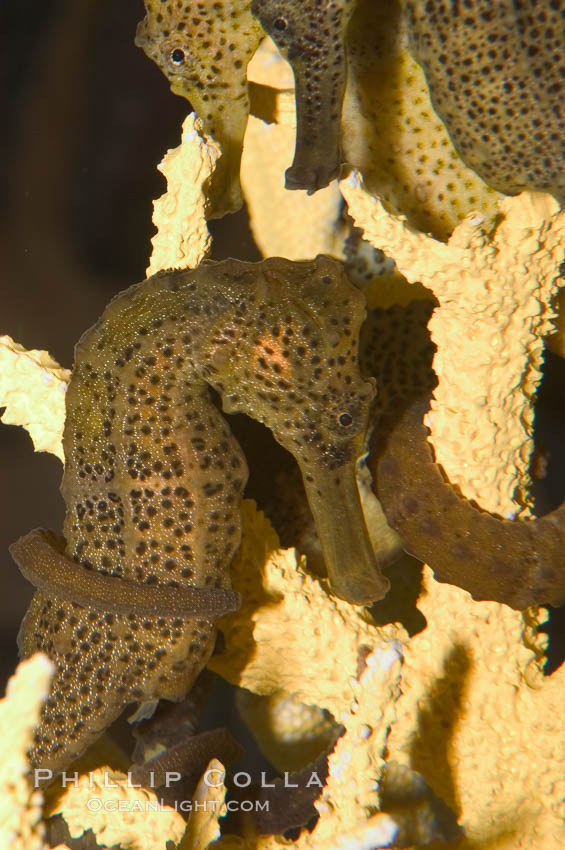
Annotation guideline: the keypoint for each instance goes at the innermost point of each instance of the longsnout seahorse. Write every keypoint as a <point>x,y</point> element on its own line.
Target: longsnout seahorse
<point>126,604</point>
<point>311,35</point>
<point>203,49</point>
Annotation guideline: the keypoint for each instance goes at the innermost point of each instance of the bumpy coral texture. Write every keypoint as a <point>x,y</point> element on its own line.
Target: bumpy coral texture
<point>480,721</point>
<point>32,389</point>
<point>283,603</point>
<point>474,671</point>
<point>182,239</point>
<point>21,825</point>
<point>203,49</point>
<point>290,733</point>
<point>115,811</point>
<point>496,73</point>
<point>498,284</point>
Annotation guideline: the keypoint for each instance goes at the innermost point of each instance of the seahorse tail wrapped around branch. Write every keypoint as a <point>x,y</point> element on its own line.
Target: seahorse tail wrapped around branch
<point>518,562</point>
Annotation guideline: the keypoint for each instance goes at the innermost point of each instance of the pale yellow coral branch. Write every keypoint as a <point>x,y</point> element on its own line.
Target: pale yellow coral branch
<point>208,803</point>
<point>182,239</point>
<point>495,290</point>
<point>334,658</point>
<point>21,825</point>
<point>32,388</point>
<point>104,801</point>
<point>480,721</point>
<point>282,604</point>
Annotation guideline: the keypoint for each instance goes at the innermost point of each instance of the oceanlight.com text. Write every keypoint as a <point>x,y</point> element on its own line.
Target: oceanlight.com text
<point>96,804</point>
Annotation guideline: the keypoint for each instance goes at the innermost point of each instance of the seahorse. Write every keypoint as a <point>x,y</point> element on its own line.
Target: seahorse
<point>127,603</point>
<point>311,35</point>
<point>518,562</point>
<point>496,73</point>
<point>203,49</point>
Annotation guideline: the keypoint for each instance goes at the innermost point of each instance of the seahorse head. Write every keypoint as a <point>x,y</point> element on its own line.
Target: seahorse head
<point>203,49</point>
<point>284,20</point>
<point>285,353</point>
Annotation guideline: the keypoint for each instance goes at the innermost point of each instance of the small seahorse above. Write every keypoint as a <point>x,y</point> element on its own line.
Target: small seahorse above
<point>203,49</point>
<point>311,35</point>
<point>154,478</point>
<point>496,73</point>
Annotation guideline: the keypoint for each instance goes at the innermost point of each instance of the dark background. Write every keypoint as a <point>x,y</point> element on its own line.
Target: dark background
<point>85,118</point>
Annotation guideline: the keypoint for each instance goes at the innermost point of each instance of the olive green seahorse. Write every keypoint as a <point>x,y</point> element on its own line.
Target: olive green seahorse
<point>312,35</point>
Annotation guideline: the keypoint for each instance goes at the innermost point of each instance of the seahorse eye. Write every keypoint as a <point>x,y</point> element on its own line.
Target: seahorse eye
<point>345,420</point>
<point>280,24</point>
<point>177,56</point>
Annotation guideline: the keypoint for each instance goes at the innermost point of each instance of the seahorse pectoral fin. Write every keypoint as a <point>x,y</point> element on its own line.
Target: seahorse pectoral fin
<point>517,562</point>
<point>350,561</point>
<point>40,560</point>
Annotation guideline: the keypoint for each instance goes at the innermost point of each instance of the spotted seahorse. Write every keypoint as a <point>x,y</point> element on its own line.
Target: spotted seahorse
<point>311,35</point>
<point>518,562</point>
<point>496,73</point>
<point>153,477</point>
<point>203,49</point>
